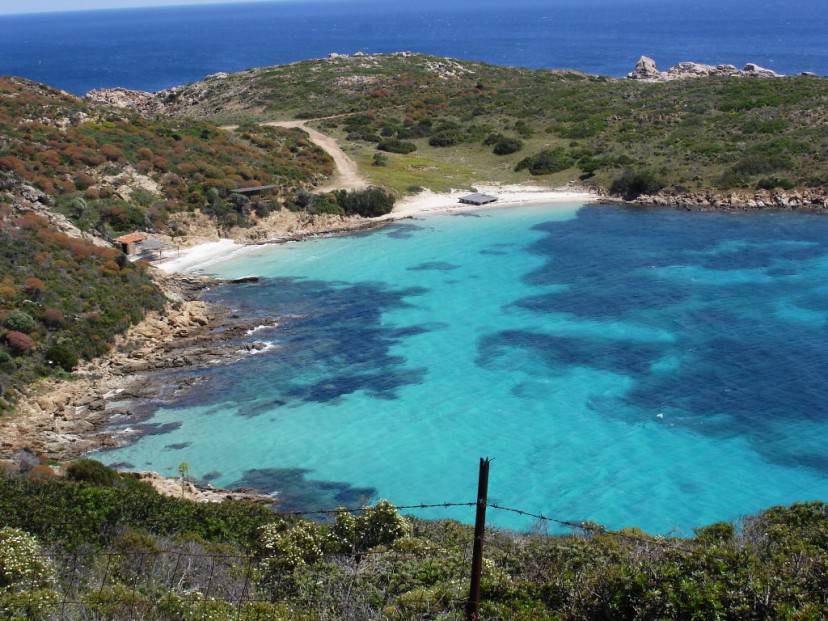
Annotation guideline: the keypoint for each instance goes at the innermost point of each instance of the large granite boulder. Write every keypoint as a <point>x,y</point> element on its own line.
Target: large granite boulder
<point>645,69</point>
<point>755,71</point>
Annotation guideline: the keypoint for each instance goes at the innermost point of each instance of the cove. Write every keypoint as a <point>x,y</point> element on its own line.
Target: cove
<point>634,367</point>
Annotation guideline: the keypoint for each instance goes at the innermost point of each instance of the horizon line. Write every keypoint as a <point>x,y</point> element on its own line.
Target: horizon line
<point>139,7</point>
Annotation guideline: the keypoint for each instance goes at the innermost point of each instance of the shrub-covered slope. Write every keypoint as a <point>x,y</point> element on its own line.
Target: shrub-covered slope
<point>121,551</point>
<point>112,171</point>
<point>512,124</point>
<point>61,299</point>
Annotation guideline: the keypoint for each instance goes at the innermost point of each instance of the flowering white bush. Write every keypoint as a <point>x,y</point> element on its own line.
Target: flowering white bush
<point>381,524</point>
<point>26,577</point>
<point>22,563</point>
<point>289,548</point>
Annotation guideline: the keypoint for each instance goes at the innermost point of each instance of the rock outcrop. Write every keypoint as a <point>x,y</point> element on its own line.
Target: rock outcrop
<point>140,101</point>
<point>740,200</point>
<point>26,198</point>
<point>646,70</point>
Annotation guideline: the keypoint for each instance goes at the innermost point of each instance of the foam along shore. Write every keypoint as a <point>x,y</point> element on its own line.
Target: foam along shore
<point>199,256</point>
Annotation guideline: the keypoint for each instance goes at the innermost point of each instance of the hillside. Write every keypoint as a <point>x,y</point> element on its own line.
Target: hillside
<point>113,548</point>
<point>62,299</point>
<point>74,174</point>
<point>442,122</point>
<point>110,170</point>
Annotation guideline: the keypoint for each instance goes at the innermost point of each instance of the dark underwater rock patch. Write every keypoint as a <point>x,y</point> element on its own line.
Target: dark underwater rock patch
<point>434,266</point>
<point>294,491</point>
<point>177,446</point>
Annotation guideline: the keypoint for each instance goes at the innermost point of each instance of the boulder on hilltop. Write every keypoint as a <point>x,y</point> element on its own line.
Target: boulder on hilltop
<point>646,70</point>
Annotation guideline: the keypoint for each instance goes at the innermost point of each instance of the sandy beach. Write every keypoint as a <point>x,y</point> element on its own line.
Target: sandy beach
<point>425,203</point>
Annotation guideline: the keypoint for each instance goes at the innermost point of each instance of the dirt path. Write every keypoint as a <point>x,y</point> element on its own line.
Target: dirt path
<point>347,176</point>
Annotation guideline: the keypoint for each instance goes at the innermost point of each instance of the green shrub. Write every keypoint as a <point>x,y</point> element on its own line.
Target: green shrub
<point>759,163</point>
<point>93,472</point>
<point>524,130</point>
<point>446,134</point>
<point>6,362</point>
<point>380,160</point>
<point>325,205</point>
<point>20,321</point>
<point>62,356</point>
<point>632,184</point>
<point>507,146</point>
<point>546,162</point>
<point>772,183</point>
<point>393,145</point>
<point>370,203</point>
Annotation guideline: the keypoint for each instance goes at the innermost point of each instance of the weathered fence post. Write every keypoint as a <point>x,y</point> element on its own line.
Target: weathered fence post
<point>473,605</point>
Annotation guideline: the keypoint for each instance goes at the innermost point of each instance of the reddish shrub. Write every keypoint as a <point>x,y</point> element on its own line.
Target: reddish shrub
<point>145,154</point>
<point>53,318</point>
<point>19,343</point>
<point>34,287</point>
<point>65,186</point>
<point>92,193</point>
<point>111,152</point>
<point>91,158</point>
<point>83,181</point>
<point>49,157</point>
<point>44,183</point>
<point>161,163</point>
<point>13,164</point>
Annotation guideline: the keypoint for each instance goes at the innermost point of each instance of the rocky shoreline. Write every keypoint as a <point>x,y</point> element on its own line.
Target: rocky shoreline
<point>811,200</point>
<point>156,361</point>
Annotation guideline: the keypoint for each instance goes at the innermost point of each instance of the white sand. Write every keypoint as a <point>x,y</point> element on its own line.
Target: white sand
<point>199,256</point>
<point>427,202</point>
<point>440,202</point>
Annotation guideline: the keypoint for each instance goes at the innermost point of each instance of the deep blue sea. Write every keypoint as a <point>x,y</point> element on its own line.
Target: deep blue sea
<point>654,368</point>
<point>156,48</point>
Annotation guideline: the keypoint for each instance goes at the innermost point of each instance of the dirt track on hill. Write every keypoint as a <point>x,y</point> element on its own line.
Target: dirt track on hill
<point>347,175</point>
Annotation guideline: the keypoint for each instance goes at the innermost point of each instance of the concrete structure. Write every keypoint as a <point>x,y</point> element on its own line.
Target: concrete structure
<point>478,199</point>
<point>129,244</point>
<point>254,190</point>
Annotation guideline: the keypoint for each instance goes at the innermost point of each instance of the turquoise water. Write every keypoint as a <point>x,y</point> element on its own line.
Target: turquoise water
<point>655,368</point>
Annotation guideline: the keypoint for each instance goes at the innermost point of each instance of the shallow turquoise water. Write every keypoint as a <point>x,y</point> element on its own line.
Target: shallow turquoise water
<point>653,368</point>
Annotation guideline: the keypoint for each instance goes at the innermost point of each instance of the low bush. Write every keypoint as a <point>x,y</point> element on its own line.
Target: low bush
<point>62,356</point>
<point>507,146</point>
<point>370,203</point>
<point>91,471</point>
<point>20,321</point>
<point>773,183</point>
<point>393,145</point>
<point>632,184</point>
<point>546,162</point>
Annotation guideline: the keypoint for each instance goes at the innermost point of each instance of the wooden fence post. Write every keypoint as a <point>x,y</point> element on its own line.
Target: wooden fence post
<point>473,605</point>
